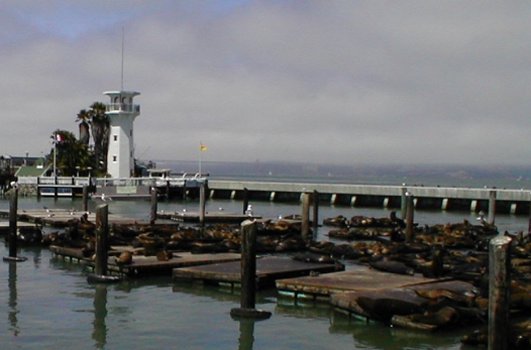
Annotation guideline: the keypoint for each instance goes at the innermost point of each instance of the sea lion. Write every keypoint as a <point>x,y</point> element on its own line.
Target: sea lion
<point>164,255</point>
<point>125,258</point>
<point>393,267</point>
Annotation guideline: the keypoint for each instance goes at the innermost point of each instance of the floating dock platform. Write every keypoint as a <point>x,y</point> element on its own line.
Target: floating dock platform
<point>212,217</point>
<point>268,270</point>
<point>145,265</point>
<point>358,278</point>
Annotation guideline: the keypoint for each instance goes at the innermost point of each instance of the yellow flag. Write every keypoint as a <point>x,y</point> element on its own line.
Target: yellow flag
<point>202,147</point>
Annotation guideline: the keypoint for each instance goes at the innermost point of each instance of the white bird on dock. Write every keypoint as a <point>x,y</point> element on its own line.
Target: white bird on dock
<point>249,211</point>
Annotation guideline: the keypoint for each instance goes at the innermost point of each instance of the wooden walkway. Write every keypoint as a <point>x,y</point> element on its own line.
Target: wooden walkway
<point>146,265</point>
<point>268,270</point>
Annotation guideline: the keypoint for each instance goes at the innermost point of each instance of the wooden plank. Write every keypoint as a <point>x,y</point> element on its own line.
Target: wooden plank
<point>268,269</point>
<point>357,278</point>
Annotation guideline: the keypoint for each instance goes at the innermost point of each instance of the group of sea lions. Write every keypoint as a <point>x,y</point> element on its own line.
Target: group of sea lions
<point>457,251</point>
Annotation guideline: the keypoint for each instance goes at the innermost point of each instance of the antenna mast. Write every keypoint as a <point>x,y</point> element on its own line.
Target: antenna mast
<point>122,77</point>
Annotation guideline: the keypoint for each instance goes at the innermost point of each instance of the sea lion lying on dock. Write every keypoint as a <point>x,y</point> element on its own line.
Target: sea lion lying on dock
<point>393,267</point>
<point>125,258</point>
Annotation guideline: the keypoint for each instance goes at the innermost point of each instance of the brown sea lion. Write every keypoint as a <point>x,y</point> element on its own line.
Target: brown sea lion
<point>393,267</point>
<point>125,258</point>
<point>164,255</point>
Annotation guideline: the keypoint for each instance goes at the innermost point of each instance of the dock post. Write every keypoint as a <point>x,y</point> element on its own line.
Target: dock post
<point>85,198</point>
<point>102,231</point>
<point>154,204</point>
<point>245,200</point>
<point>248,275</point>
<point>403,203</point>
<point>202,204</point>
<point>315,210</point>
<point>492,207</point>
<point>13,210</point>
<point>102,246</point>
<point>529,220</point>
<point>410,214</point>
<point>499,287</point>
<point>305,216</point>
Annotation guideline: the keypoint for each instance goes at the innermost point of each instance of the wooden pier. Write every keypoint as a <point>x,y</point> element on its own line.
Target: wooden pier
<point>144,265</point>
<point>268,270</point>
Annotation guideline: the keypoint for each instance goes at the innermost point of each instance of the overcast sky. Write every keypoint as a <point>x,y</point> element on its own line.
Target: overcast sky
<point>341,82</point>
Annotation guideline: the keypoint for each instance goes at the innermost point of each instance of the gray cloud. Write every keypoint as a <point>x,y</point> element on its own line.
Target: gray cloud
<point>315,81</point>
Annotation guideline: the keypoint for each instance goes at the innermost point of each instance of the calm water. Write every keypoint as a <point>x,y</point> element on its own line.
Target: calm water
<point>46,303</point>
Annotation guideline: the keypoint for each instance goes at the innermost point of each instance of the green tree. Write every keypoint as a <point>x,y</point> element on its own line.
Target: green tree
<point>83,117</point>
<point>71,154</point>
<point>99,123</point>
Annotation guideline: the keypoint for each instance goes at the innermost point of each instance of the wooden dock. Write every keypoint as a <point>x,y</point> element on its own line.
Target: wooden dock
<point>4,226</point>
<point>358,278</point>
<point>400,299</point>
<point>268,270</point>
<point>216,216</point>
<point>62,217</point>
<point>145,265</point>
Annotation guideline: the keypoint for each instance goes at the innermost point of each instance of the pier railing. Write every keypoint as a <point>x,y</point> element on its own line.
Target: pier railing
<point>73,181</point>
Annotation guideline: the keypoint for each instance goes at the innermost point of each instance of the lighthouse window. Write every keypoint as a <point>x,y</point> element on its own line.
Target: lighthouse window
<point>114,158</point>
<point>115,137</point>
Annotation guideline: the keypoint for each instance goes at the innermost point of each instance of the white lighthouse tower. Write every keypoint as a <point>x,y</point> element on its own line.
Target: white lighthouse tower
<point>122,113</point>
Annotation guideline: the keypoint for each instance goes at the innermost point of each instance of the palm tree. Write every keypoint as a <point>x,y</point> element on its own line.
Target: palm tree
<point>99,123</point>
<point>83,117</point>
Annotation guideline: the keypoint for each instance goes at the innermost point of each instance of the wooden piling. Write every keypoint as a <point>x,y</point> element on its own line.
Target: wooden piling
<point>248,264</point>
<point>13,213</point>
<point>403,203</point>
<point>248,275</point>
<point>102,247</point>
<point>85,198</point>
<point>315,203</point>
<point>154,205</point>
<point>202,204</point>
<point>305,215</point>
<point>102,232</point>
<point>245,200</point>
<point>410,214</point>
<point>492,207</point>
<point>499,287</point>
<point>13,209</point>
<point>529,220</point>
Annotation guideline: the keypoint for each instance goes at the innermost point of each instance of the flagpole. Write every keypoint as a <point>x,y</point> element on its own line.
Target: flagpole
<point>200,158</point>
<point>54,156</point>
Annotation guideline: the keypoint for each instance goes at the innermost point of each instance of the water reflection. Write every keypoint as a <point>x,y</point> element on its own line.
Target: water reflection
<point>99,333</point>
<point>246,340</point>
<point>12,302</point>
